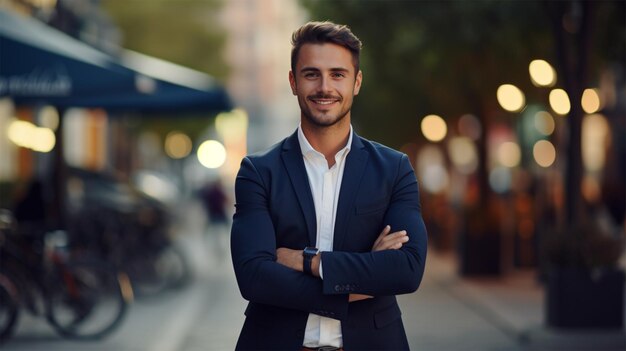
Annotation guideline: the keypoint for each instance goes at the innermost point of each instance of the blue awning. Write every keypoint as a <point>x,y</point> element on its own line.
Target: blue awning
<point>41,65</point>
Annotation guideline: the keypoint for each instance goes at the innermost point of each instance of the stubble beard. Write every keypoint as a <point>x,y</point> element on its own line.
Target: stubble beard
<point>323,120</point>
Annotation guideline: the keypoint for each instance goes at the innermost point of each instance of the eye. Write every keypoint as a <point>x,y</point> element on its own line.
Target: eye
<point>311,75</point>
<point>338,75</point>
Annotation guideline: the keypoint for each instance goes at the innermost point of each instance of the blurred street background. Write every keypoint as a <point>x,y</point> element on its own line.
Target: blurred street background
<point>123,124</point>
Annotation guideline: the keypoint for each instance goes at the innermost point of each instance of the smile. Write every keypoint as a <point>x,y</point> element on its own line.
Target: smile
<point>323,101</point>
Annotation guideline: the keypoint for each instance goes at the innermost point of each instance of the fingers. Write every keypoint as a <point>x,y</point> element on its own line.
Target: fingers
<point>395,240</point>
<point>384,233</point>
<point>391,241</point>
<point>358,297</point>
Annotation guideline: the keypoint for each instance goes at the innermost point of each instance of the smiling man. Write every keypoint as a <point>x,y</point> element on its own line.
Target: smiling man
<point>328,226</point>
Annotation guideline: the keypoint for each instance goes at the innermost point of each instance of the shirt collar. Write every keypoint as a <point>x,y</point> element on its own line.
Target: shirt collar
<point>306,147</point>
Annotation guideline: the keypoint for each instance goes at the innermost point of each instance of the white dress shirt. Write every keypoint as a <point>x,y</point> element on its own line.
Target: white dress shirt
<point>325,184</point>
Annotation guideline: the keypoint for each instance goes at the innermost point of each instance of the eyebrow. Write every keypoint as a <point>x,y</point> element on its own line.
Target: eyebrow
<point>313,69</point>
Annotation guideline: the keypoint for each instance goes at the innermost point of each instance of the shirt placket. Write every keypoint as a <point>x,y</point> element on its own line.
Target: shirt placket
<point>326,228</point>
<point>327,211</point>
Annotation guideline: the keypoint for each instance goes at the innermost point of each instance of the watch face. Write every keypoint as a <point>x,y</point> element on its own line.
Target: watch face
<point>311,251</point>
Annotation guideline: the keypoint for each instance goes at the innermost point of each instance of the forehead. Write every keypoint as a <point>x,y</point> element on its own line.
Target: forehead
<point>324,56</point>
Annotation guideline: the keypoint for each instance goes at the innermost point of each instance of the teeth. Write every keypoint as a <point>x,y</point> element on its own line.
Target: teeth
<point>323,102</point>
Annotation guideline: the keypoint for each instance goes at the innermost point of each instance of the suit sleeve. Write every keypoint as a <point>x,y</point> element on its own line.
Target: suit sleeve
<point>253,245</point>
<point>387,272</point>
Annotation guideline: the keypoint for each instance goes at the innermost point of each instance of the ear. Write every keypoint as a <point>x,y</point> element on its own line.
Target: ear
<point>357,82</point>
<point>292,82</point>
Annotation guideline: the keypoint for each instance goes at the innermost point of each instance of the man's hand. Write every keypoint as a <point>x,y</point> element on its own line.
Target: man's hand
<point>385,241</point>
<point>294,260</point>
<point>391,241</point>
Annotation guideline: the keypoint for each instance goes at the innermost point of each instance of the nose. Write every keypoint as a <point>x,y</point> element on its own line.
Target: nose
<point>325,84</point>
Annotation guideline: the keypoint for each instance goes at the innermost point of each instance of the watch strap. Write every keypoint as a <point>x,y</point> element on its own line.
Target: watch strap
<point>307,256</point>
<point>308,259</point>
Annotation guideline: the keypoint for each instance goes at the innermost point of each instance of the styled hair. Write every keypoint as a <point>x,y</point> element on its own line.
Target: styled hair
<point>325,32</point>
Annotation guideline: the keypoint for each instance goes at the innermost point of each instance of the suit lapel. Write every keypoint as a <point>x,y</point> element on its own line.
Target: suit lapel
<point>352,174</point>
<point>292,159</point>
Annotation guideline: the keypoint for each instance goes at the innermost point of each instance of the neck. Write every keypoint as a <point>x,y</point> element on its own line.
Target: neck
<point>327,140</point>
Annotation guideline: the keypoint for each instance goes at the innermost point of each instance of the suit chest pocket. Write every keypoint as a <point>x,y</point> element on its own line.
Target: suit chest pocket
<point>372,208</point>
<point>367,220</point>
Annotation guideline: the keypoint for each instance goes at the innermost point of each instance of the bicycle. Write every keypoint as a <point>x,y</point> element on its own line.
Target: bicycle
<point>81,298</point>
<point>8,307</point>
<point>137,241</point>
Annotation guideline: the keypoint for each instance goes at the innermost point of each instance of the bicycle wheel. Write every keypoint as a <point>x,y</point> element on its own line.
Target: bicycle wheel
<point>8,307</point>
<point>152,273</point>
<point>88,301</point>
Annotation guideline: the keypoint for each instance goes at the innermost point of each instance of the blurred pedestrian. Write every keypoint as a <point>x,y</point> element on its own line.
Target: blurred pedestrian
<point>214,200</point>
<point>312,241</point>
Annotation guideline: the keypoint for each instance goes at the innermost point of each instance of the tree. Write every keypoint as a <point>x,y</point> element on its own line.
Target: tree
<point>580,49</point>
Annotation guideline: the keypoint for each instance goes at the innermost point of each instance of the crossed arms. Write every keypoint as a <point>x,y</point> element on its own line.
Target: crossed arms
<point>270,275</point>
<point>385,241</point>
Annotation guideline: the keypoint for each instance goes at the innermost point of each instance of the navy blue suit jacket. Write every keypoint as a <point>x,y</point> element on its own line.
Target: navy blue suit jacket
<point>274,208</point>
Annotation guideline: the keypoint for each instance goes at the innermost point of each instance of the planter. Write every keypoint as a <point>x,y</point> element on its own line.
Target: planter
<point>480,255</point>
<point>579,298</point>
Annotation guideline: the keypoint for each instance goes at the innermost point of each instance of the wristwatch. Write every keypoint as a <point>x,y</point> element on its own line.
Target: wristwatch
<point>308,254</point>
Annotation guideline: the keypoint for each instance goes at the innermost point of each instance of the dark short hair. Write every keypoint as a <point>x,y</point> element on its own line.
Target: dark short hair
<point>325,32</point>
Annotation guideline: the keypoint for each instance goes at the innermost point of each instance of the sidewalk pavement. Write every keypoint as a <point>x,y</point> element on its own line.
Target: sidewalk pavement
<point>514,304</point>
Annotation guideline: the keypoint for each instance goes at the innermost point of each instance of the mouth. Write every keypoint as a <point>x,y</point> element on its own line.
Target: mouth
<point>324,100</point>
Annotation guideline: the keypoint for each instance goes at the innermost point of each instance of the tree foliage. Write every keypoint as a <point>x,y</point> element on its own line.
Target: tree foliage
<point>186,32</point>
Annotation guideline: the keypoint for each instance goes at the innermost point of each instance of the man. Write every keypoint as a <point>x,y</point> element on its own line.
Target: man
<point>311,241</point>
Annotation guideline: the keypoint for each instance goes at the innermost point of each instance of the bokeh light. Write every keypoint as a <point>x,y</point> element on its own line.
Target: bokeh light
<point>434,128</point>
<point>559,101</point>
<point>544,153</point>
<point>500,179</point>
<point>590,101</point>
<point>542,74</point>
<point>435,179</point>
<point>590,189</point>
<point>49,117</point>
<point>231,124</point>
<point>595,130</point>
<point>27,135</point>
<point>511,98</point>
<point>509,154</point>
<point>42,140</point>
<point>177,145</point>
<point>544,123</point>
<point>19,132</point>
<point>431,170</point>
<point>212,154</point>
<point>463,154</point>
